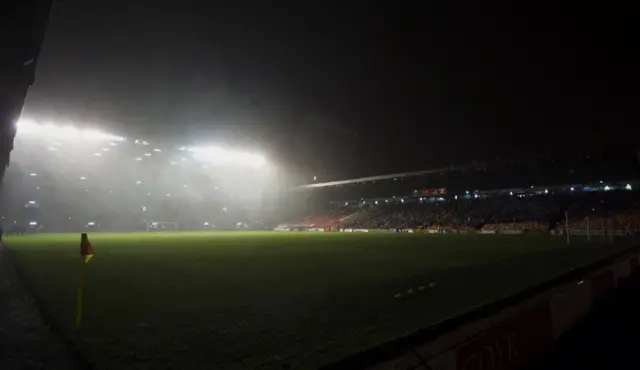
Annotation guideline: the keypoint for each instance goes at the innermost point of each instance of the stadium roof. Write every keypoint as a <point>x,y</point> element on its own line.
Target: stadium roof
<point>386,177</point>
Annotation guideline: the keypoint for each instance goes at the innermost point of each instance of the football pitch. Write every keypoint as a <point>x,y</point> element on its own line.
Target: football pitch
<point>236,300</point>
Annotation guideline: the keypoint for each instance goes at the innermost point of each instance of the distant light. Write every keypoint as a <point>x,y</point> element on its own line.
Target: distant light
<point>402,200</point>
<point>510,193</point>
<point>546,191</point>
<point>224,209</point>
<point>455,197</point>
<point>113,143</point>
<point>185,186</point>
<point>182,148</point>
<point>476,196</point>
<point>376,202</point>
<point>32,202</point>
<point>147,154</point>
<point>86,190</point>
<point>206,224</point>
<point>144,208</point>
<point>215,188</point>
<point>111,191</point>
<point>346,203</point>
<point>607,188</point>
<point>157,150</point>
<point>91,223</point>
<point>531,186</point>
<point>601,181</point>
<point>98,154</point>
<point>33,174</point>
<point>144,142</point>
<point>83,178</point>
<point>52,149</point>
<point>138,182</point>
<point>69,217</point>
<point>386,201</point>
<point>315,178</point>
<point>148,194</point>
<point>138,159</point>
<point>168,194</point>
<point>183,159</point>
<point>572,189</point>
<point>421,199</point>
<point>106,149</point>
<point>33,223</point>
<point>466,192</point>
<point>628,187</point>
<point>174,162</point>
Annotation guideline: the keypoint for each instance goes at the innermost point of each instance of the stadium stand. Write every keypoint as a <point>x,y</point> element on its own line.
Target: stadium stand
<point>67,179</point>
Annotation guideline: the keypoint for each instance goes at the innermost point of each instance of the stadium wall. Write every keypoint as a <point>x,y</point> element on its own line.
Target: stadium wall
<point>506,334</point>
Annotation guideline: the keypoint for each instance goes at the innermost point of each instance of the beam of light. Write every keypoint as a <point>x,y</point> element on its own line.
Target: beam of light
<point>30,127</point>
<point>220,157</point>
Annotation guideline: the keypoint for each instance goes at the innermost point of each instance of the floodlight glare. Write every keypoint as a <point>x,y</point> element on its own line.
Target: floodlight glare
<point>219,156</point>
<point>30,127</point>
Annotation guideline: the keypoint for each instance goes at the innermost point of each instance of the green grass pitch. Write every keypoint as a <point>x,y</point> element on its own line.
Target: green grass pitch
<point>234,300</point>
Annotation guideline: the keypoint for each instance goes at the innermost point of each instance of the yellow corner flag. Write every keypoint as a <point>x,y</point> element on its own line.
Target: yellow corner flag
<point>86,249</point>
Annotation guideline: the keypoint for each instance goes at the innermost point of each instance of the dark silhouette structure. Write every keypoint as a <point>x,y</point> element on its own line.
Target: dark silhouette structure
<point>22,31</point>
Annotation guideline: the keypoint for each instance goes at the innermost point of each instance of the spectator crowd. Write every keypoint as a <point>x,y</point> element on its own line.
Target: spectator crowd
<point>532,212</point>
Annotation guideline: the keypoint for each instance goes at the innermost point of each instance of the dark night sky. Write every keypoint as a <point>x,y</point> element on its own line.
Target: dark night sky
<point>346,88</point>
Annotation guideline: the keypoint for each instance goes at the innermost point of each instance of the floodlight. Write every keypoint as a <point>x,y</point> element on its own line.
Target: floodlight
<point>26,126</point>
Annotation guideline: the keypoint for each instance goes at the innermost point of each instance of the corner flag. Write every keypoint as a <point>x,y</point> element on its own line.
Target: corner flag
<point>86,249</point>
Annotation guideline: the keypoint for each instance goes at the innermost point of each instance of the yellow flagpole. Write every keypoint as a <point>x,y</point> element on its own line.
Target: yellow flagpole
<point>79,296</point>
